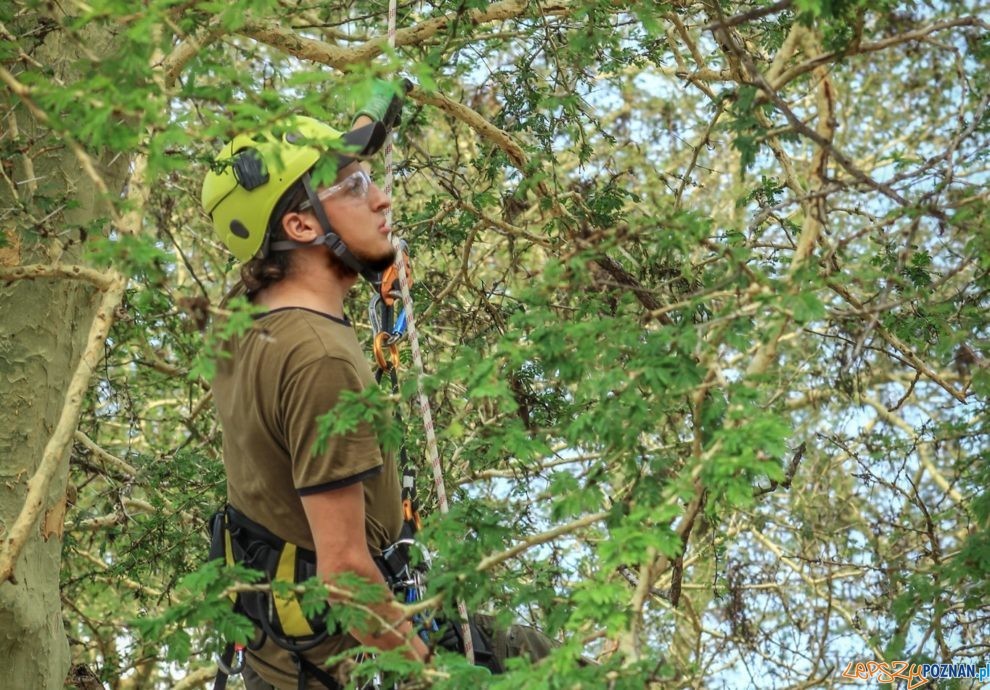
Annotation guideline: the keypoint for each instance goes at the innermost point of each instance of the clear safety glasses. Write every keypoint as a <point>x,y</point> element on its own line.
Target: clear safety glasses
<point>354,186</point>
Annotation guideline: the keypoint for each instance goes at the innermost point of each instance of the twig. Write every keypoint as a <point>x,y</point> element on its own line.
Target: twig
<point>907,393</point>
<point>122,466</point>
<point>778,551</point>
<point>541,538</point>
<point>719,109</point>
<point>909,356</point>
<point>744,17</point>
<point>507,228</point>
<point>922,446</point>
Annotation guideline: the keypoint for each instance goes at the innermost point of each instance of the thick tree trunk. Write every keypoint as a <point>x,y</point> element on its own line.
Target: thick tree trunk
<point>43,327</point>
<point>41,330</point>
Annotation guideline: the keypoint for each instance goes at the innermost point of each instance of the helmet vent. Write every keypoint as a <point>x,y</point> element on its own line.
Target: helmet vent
<point>238,229</point>
<point>249,169</point>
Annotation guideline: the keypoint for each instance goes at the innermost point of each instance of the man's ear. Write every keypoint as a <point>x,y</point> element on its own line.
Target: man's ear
<point>300,227</point>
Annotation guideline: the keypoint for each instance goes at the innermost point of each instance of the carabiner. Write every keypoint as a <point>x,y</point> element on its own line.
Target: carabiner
<point>399,329</point>
<point>238,661</point>
<point>380,343</point>
<point>379,315</point>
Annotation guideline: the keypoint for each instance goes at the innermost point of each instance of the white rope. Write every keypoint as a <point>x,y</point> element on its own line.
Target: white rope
<point>424,402</point>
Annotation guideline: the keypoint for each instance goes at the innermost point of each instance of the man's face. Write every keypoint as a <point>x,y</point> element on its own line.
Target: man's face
<point>356,211</point>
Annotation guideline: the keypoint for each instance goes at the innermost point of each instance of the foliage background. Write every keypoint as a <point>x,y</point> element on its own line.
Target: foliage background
<point>703,288</point>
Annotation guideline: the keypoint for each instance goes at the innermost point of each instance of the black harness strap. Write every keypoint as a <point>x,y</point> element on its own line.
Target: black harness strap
<point>305,668</point>
<point>220,682</point>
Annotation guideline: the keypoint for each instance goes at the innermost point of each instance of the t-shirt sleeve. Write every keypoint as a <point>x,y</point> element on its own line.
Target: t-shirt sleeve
<point>311,392</point>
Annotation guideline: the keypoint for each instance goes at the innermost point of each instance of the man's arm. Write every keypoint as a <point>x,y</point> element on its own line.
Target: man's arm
<point>336,519</point>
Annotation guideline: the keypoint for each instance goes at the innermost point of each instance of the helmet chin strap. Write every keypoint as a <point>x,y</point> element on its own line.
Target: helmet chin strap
<point>329,238</point>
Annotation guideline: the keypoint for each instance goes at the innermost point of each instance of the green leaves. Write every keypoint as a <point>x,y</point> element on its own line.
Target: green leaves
<point>139,256</point>
<point>750,447</point>
<point>200,601</point>
<point>604,603</point>
<point>805,307</point>
<point>748,129</point>
<point>589,322</point>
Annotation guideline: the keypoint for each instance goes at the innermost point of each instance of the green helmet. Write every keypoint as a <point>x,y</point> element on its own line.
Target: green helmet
<point>254,171</point>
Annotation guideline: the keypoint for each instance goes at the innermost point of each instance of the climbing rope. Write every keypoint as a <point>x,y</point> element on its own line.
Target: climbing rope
<point>417,355</point>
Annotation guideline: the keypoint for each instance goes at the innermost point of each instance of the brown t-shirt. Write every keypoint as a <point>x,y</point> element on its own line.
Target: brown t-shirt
<point>271,385</point>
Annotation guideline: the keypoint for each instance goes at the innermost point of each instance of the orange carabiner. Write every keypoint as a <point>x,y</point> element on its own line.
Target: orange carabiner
<point>410,514</point>
<point>390,281</point>
<point>381,342</point>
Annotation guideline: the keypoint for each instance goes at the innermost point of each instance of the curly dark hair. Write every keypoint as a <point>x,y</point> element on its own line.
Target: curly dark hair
<point>262,271</point>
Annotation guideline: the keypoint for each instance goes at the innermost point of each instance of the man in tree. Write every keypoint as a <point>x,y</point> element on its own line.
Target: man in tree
<point>305,244</point>
<point>306,238</point>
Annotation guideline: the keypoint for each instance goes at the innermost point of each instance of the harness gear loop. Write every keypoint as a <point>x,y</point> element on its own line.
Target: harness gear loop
<point>383,341</point>
<point>234,663</point>
<point>230,663</point>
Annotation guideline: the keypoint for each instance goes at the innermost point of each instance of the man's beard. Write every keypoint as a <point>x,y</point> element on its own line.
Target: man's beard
<point>375,263</point>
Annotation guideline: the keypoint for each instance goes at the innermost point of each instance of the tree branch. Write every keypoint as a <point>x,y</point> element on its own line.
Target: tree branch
<point>744,17</point>
<point>57,445</point>
<point>74,271</point>
<point>916,362</point>
<point>175,62</point>
<point>825,58</point>
<point>486,129</point>
<point>822,142</point>
<point>277,36</point>
<point>197,678</point>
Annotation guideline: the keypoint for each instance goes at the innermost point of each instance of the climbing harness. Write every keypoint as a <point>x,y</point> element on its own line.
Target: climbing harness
<point>235,538</point>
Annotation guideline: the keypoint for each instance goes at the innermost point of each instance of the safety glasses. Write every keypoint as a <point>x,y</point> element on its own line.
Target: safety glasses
<point>354,186</point>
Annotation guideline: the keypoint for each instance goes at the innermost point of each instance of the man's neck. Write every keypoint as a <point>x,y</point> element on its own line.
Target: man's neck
<point>322,293</point>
